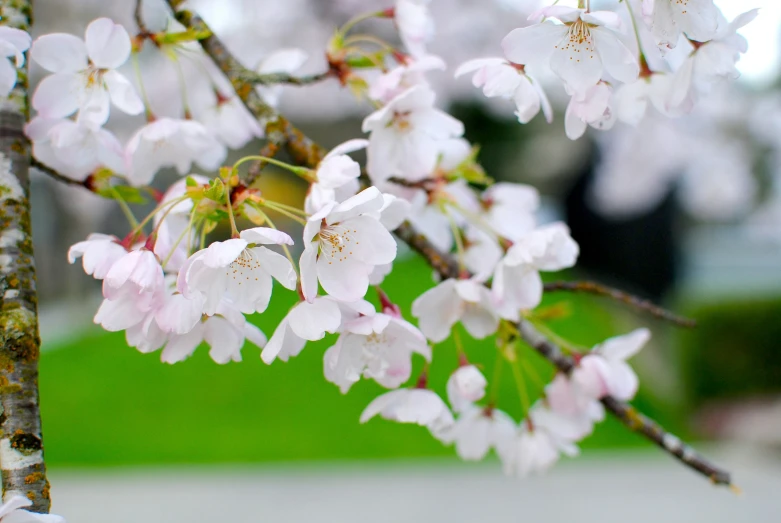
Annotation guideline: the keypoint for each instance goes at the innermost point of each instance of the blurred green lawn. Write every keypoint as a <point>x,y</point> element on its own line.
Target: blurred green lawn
<point>105,404</point>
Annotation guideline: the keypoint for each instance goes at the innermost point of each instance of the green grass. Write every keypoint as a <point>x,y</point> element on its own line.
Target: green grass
<point>106,404</point>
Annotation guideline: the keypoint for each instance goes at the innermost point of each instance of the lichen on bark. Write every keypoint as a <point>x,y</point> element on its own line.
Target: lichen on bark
<point>21,444</point>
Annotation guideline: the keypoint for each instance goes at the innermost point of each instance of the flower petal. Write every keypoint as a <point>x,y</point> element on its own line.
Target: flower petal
<point>60,53</point>
<point>107,43</point>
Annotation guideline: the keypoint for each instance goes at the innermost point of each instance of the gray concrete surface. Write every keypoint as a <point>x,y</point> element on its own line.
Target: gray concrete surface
<point>602,487</point>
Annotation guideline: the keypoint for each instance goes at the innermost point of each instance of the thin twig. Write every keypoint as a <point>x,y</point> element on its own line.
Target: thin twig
<point>137,13</point>
<point>35,164</point>
<point>284,78</point>
<point>590,287</point>
<point>307,153</point>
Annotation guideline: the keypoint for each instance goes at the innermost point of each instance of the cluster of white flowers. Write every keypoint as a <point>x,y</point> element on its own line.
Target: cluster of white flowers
<point>172,289</point>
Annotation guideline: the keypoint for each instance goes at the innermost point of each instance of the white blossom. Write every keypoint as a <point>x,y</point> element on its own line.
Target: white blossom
<point>420,406</point>
<point>13,43</point>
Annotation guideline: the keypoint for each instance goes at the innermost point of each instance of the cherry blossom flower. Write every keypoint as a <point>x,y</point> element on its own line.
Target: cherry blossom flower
<point>337,176</point>
<point>420,406</point>
<point>305,322</point>
<point>85,76</point>
<point>630,101</point>
<point>12,511</point>
<point>280,61</point>
<point>593,108</point>
<point>499,78</point>
<point>465,386</point>
<point>132,287</point>
<point>404,135</point>
<point>343,244</point>
<point>409,73</point>
<point>579,51</point>
<point>539,442</point>
<point>415,25</point>
<point>481,252</point>
<point>517,284</point>
<point>170,143</point>
<point>239,269</point>
<point>668,19</point>
<point>509,209</point>
<point>98,254</point>
<point>378,347</point>
<point>468,301</point>
<point>477,430</point>
<point>74,149</point>
<point>572,398</point>
<point>13,44</point>
<point>604,371</point>
<point>711,63</point>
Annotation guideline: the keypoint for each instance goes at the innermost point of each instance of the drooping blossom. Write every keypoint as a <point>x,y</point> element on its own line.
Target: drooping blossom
<point>415,24</point>
<point>509,209</point>
<point>580,50</point>
<point>420,406</point>
<point>85,77</point>
<point>13,43</point>
<point>669,19</point>
<point>604,371</point>
<point>343,243</point>
<point>336,176</point>
<point>467,301</point>
<point>98,254</point>
<point>240,269</point>
<point>409,73</point>
<point>593,108</point>
<point>378,347</point>
<point>499,78</point>
<point>170,143</point>
<point>477,430</point>
<point>517,284</point>
<point>75,149</point>
<point>465,386</point>
<point>404,135</point>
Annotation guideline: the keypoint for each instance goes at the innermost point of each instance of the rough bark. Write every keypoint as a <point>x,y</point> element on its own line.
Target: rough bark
<point>21,445</point>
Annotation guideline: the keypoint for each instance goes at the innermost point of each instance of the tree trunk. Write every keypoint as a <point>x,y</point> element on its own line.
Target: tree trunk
<point>21,445</point>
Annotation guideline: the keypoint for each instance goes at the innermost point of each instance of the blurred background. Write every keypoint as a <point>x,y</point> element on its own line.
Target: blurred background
<point>697,229</point>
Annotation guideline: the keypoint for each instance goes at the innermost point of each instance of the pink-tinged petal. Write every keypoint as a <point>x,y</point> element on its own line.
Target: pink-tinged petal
<point>574,126</point>
<point>311,321</point>
<point>622,382</point>
<point>380,403</point>
<point>283,344</point>
<point>179,315</point>
<point>308,267</point>
<point>57,95</point>
<point>222,254</point>
<point>93,107</point>
<point>60,53</point>
<point>592,375</point>
<point>182,347</point>
<point>254,335</point>
<point>225,340</point>
<point>477,63</point>
<point>533,44</point>
<point>527,101</point>
<point>618,60</point>
<point>277,266</point>
<point>122,93</point>
<point>265,236</point>
<point>118,315</point>
<point>15,503</point>
<point>107,43</point>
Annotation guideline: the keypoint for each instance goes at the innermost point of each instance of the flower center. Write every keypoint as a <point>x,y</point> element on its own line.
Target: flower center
<point>242,269</point>
<point>337,242</point>
<point>579,40</point>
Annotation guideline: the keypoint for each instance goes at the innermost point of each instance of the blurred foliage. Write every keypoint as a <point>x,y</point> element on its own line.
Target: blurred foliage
<point>107,404</point>
<point>734,351</point>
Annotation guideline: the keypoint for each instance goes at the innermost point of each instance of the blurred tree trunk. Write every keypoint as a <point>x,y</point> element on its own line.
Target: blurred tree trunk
<point>21,445</point>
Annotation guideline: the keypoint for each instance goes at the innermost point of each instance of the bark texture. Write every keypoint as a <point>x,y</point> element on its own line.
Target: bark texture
<point>21,445</point>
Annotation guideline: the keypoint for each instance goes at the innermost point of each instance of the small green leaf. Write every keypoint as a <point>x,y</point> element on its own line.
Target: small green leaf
<point>216,190</point>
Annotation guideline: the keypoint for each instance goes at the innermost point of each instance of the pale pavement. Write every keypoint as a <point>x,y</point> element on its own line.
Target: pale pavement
<point>607,488</point>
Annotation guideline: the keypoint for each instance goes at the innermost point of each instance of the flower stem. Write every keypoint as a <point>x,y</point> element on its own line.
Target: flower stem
<point>494,394</point>
<point>357,19</point>
<point>229,205</point>
<point>459,241</point>
<point>179,240</point>
<point>125,208</point>
<point>144,96</point>
<point>521,384</point>
<point>301,172</point>
<point>273,206</point>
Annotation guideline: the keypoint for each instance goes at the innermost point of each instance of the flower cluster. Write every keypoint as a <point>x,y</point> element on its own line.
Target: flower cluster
<point>178,279</point>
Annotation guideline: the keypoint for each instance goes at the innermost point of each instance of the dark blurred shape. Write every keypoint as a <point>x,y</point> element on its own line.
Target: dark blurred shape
<point>639,255</point>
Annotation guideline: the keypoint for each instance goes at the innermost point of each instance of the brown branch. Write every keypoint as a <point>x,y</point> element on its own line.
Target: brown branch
<point>641,304</point>
<point>284,78</point>
<point>307,153</point>
<point>38,166</point>
<point>21,443</point>
<point>138,15</point>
